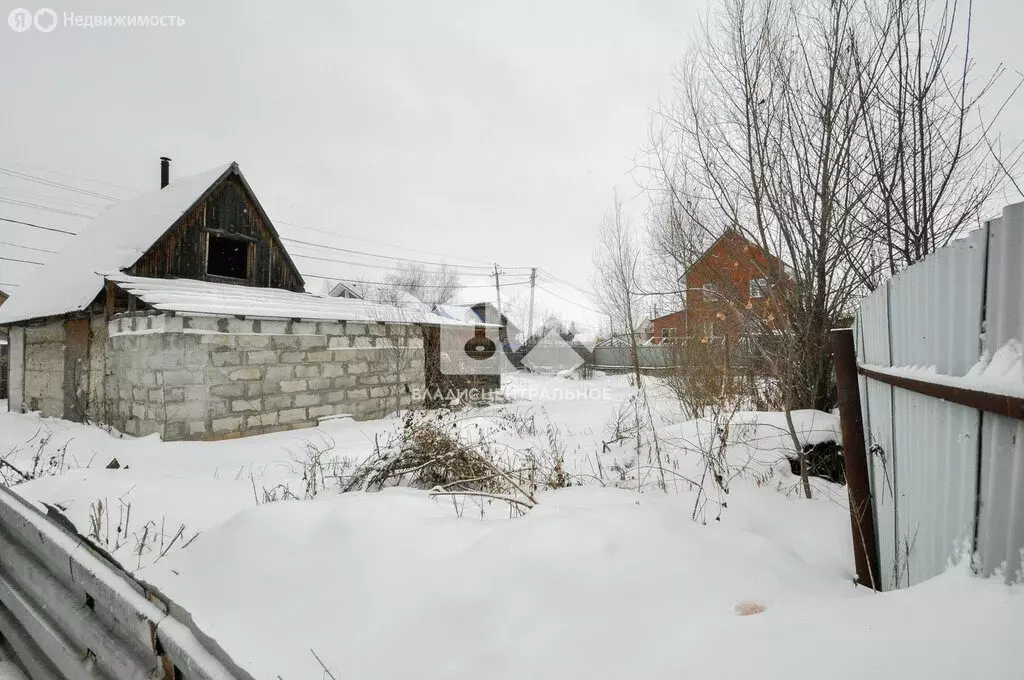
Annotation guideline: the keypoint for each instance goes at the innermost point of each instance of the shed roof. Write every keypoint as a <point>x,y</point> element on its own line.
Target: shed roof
<point>115,239</point>
<point>188,296</point>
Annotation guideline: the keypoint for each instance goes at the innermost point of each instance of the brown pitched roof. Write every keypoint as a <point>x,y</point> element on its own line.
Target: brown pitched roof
<point>730,232</point>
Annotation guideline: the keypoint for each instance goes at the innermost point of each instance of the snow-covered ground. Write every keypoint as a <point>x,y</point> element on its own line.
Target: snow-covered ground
<point>613,578</point>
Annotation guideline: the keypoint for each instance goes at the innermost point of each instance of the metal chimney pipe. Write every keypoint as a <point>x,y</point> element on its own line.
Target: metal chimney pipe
<point>165,171</point>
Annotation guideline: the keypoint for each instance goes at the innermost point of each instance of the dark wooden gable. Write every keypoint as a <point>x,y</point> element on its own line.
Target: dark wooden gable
<point>227,218</point>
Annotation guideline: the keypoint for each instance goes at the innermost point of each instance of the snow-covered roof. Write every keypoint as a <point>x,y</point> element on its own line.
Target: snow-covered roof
<point>466,313</point>
<point>342,289</point>
<point>115,239</point>
<point>188,296</point>
<point>457,312</point>
<point>643,325</point>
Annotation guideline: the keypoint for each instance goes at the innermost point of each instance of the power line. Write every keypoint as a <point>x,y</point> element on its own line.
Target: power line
<point>566,283</point>
<point>398,285</point>
<point>18,245</point>
<point>368,265</point>
<point>67,174</point>
<point>379,243</point>
<point>298,255</point>
<point>43,207</point>
<point>10,285</point>
<point>385,257</point>
<point>74,203</point>
<point>38,226</point>
<point>56,185</point>
<point>87,192</point>
<point>573,302</point>
<point>13,259</point>
<point>462,269</point>
<point>590,297</point>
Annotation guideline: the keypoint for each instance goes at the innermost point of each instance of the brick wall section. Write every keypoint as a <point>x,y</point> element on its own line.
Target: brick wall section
<point>217,378</point>
<point>44,368</point>
<point>674,324</point>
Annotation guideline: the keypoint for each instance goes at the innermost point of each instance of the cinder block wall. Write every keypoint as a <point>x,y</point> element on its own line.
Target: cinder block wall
<point>44,369</point>
<point>217,378</point>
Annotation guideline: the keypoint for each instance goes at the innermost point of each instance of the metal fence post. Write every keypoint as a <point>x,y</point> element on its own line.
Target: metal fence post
<point>858,485</point>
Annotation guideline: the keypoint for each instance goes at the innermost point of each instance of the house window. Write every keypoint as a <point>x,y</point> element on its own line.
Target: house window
<point>667,333</point>
<point>709,291</point>
<point>758,288</point>
<point>227,257</point>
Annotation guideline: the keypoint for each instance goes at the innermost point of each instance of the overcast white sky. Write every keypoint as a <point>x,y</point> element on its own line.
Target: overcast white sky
<point>492,131</point>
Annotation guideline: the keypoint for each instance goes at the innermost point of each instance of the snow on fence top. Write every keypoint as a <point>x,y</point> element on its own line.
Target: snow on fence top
<point>188,296</point>
<point>116,239</point>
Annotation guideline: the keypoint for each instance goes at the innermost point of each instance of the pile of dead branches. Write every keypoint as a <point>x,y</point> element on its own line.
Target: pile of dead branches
<point>440,452</point>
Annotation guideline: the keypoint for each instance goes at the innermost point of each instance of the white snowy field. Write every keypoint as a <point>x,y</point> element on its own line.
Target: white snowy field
<point>643,570</point>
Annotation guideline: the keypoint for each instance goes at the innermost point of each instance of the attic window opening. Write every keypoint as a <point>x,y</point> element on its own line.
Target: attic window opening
<point>227,257</point>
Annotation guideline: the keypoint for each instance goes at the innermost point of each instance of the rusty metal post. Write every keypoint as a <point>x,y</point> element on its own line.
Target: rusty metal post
<point>858,484</point>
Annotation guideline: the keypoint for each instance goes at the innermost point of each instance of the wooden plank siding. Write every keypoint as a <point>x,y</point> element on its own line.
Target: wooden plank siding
<point>229,209</point>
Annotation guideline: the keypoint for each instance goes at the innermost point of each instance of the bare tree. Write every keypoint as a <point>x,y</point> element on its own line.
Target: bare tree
<point>616,276</point>
<point>431,286</point>
<point>766,130</point>
<point>840,137</point>
<point>674,243</point>
<point>927,144</point>
<point>427,285</point>
<point>516,309</point>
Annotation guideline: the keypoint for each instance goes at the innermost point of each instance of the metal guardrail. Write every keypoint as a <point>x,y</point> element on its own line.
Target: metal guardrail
<point>68,611</point>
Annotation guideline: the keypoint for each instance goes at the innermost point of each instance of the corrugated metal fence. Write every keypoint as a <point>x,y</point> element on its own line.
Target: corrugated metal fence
<point>945,475</point>
<point>650,357</point>
<point>69,612</point>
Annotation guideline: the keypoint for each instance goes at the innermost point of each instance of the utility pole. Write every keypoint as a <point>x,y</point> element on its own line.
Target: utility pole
<point>533,284</point>
<point>497,288</point>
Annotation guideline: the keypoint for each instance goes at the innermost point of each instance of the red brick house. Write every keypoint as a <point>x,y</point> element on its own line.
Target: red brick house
<point>668,328</point>
<point>728,290</point>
